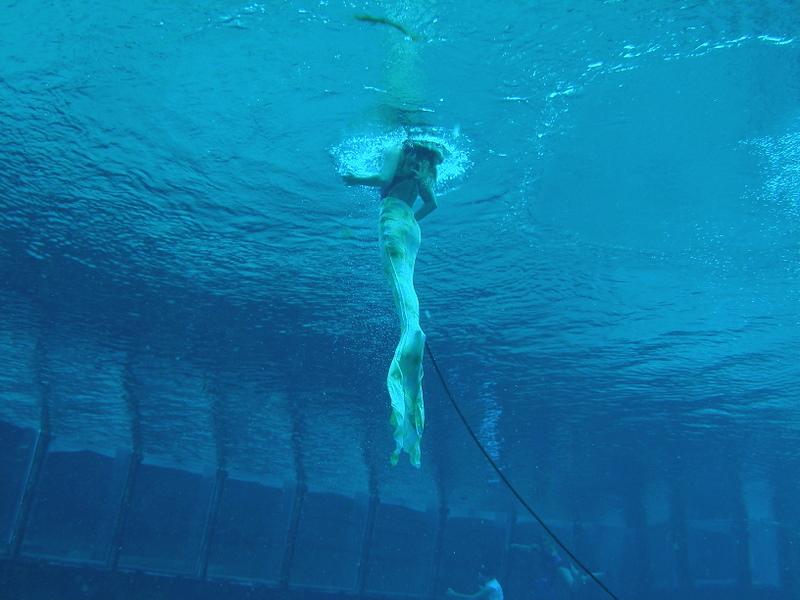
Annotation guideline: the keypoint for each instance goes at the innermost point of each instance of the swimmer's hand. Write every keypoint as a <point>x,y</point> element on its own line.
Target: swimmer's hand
<point>350,179</point>
<point>424,176</point>
<point>373,180</point>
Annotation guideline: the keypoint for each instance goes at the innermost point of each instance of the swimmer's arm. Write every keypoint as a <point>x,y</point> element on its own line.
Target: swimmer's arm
<point>429,201</point>
<point>370,180</point>
<point>390,162</point>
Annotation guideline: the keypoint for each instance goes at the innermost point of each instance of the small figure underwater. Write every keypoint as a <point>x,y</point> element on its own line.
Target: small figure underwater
<point>408,172</point>
<point>490,589</point>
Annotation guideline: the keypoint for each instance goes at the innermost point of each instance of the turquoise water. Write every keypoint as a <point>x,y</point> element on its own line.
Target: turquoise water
<point>610,284</point>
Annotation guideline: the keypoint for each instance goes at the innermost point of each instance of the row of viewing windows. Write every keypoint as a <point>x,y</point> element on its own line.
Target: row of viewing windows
<point>78,513</point>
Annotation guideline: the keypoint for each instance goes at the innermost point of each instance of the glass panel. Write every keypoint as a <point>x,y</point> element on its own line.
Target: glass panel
<point>76,503</point>
<point>764,553</point>
<point>463,559</point>
<point>712,553</point>
<point>328,543</point>
<point>532,569</point>
<point>628,573</point>
<point>401,553</point>
<point>603,549</point>
<point>663,559</point>
<point>165,522</point>
<point>16,452</point>
<point>250,534</point>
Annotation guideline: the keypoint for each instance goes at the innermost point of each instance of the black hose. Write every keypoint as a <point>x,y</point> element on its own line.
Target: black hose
<point>505,480</point>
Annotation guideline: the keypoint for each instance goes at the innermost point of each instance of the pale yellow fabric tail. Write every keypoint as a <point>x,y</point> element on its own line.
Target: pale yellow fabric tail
<point>400,239</point>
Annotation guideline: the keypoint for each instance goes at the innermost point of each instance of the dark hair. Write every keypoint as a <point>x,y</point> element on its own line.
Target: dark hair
<point>424,150</point>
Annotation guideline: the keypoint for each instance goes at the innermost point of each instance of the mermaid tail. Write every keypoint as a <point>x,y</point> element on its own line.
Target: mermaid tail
<point>400,239</point>
<point>405,391</point>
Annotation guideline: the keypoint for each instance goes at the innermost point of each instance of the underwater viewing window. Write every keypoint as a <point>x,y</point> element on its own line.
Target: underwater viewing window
<point>250,535</point>
<point>764,560</point>
<point>662,543</point>
<point>523,564</point>
<point>401,550</point>
<point>16,452</point>
<point>76,504</point>
<point>461,561</point>
<point>166,519</point>
<point>328,542</point>
<point>604,546</point>
<point>712,553</point>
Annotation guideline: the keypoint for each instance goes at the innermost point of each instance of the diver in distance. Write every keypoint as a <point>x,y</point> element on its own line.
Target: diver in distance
<point>490,589</point>
<point>408,173</point>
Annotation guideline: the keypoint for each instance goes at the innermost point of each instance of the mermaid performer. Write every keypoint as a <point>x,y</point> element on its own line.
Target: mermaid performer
<point>408,172</point>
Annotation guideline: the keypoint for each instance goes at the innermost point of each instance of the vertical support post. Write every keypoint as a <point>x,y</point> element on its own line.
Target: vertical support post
<point>680,535</point>
<point>291,536</point>
<point>26,499</point>
<point>122,512</point>
<point>219,435</point>
<point>298,434</point>
<point>505,559</point>
<point>578,540</point>
<point>210,524</point>
<point>785,501</point>
<point>131,397</point>
<point>438,548</point>
<point>741,534</point>
<point>636,550</point>
<point>39,450</point>
<point>366,544</point>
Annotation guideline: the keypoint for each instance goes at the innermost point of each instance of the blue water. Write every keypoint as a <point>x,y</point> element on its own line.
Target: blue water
<point>610,285</point>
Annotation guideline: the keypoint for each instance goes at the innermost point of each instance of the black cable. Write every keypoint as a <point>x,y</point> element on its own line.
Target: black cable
<point>505,480</point>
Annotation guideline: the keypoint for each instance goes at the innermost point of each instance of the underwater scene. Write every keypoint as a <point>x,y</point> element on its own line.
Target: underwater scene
<point>400,300</point>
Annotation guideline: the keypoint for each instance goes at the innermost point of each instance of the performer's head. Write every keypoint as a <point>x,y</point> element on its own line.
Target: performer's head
<point>425,150</point>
